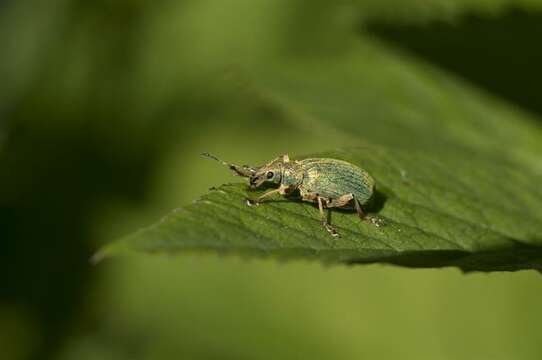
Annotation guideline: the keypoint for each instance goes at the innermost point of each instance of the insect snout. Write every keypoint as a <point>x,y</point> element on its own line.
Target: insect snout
<point>254,180</point>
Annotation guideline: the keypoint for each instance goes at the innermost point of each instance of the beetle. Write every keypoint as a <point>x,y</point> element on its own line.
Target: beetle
<point>330,183</point>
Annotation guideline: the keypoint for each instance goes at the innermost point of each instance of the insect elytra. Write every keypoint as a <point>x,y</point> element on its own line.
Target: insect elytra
<point>331,183</point>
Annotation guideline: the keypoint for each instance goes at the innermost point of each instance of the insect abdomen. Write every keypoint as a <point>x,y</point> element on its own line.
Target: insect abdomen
<point>332,178</point>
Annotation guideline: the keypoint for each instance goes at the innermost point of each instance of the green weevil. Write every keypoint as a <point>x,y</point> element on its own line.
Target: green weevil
<point>331,183</point>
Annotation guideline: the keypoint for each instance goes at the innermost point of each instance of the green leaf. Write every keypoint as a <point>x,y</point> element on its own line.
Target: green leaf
<point>432,216</point>
<point>458,173</point>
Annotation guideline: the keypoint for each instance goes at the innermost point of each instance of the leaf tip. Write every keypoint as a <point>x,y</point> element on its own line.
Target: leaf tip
<point>97,257</point>
<point>107,251</point>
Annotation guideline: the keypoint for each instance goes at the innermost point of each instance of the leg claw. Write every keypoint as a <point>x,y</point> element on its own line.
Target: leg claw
<point>251,202</point>
<point>376,221</point>
<point>331,230</point>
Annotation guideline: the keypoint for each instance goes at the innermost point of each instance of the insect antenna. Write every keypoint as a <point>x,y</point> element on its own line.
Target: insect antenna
<point>207,155</point>
<point>244,170</point>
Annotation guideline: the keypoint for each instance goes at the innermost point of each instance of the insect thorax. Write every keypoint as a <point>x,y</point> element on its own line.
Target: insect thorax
<point>292,175</point>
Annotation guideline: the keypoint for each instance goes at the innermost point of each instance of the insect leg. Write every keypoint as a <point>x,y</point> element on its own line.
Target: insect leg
<point>376,221</point>
<point>259,200</point>
<point>281,190</point>
<point>323,219</point>
<point>360,212</point>
<point>341,201</point>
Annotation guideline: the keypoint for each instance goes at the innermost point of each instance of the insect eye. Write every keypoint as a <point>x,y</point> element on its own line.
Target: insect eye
<point>270,174</point>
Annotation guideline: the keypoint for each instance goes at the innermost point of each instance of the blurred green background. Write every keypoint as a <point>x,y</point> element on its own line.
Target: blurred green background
<point>104,108</point>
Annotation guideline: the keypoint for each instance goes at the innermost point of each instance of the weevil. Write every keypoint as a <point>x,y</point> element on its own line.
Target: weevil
<point>330,183</point>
